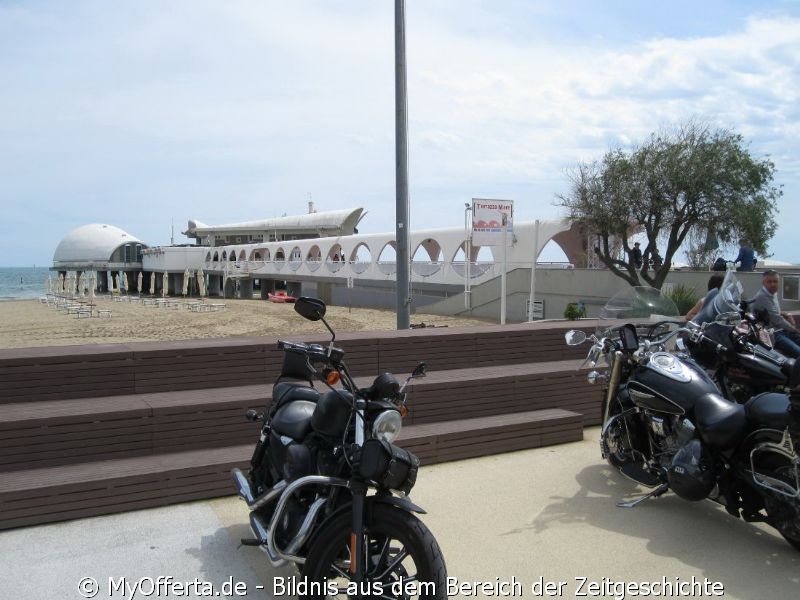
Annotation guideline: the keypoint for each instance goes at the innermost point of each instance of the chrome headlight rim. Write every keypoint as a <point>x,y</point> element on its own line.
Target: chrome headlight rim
<point>387,425</point>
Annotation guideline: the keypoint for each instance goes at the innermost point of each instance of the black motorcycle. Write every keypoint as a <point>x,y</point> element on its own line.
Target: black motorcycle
<point>327,487</point>
<point>666,426</point>
<point>750,365</point>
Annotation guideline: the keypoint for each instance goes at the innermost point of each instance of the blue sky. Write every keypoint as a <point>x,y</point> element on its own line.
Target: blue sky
<point>144,113</point>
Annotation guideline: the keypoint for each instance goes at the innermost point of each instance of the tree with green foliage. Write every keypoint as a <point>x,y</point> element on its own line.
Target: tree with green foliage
<point>690,179</point>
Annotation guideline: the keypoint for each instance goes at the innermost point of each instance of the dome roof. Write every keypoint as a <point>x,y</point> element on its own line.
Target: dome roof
<point>90,243</point>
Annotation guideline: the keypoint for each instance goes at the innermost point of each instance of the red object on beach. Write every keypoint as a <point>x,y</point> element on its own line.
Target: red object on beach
<point>280,297</point>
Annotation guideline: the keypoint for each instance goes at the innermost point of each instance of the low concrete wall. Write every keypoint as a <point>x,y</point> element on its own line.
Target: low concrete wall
<point>554,287</point>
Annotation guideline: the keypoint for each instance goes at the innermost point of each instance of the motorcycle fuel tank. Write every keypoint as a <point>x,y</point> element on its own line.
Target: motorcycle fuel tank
<point>668,384</point>
<point>754,369</point>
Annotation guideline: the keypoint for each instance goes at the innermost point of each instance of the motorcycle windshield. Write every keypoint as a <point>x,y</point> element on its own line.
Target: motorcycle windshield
<point>729,297</point>
<point>639,305</point>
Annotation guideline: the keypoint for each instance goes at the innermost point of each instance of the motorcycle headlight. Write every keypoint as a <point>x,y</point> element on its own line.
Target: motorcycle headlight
<point>387,425</point>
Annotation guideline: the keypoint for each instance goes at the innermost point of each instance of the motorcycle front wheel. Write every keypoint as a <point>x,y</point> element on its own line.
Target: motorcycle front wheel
<point>403,559</point>
<point>616,440</point>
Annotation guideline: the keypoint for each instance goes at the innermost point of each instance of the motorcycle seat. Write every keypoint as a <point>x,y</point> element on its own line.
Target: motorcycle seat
<point>721,423</point>
<point>769,409</point>
<point>284,391</point>
<point>294,419</point>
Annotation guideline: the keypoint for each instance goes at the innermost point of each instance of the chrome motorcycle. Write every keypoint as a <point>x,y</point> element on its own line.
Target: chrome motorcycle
<point>327,487</point>
<point>666,426</point>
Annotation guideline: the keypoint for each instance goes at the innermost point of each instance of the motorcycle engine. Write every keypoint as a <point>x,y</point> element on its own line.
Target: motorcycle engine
<point>689,472</point>
<point>670,434</point>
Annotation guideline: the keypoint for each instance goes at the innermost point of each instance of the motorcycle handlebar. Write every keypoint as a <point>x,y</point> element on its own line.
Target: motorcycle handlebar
<point>315,352</point>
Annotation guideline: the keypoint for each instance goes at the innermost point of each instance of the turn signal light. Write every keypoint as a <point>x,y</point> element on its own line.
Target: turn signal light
<point>332,378</point>
<point>403,411</point>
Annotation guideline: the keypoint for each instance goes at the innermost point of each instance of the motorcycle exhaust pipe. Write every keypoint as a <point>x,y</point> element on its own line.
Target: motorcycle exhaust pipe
<point>246,492</point>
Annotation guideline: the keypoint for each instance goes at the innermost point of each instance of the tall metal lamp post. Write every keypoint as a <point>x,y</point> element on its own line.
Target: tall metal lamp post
<point>401,168</point>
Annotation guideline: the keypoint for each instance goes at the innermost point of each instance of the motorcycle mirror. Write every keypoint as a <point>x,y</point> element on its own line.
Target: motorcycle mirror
<point>574,337</point>
<point>312,309</point>
<point>419,370</point>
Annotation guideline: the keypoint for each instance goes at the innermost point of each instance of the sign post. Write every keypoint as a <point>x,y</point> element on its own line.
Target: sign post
<point>492,221</point>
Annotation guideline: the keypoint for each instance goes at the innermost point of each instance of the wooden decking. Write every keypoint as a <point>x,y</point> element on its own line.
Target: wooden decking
<point>98,429</point>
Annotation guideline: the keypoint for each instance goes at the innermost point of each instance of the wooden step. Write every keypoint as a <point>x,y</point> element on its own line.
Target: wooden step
<point>55,494</point>
<point>58,432</point>
<point>44,495</point>
<point>470,438</point>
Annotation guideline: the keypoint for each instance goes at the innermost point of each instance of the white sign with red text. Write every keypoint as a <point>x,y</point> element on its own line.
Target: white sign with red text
<point>488,217</point>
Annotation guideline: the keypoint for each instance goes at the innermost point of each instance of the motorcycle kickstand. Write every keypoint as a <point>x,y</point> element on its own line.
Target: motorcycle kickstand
<point>654,494</point>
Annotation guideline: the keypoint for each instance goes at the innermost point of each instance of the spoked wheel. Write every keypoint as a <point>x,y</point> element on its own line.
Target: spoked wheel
<point>615,442</point>
<point>403,559</point>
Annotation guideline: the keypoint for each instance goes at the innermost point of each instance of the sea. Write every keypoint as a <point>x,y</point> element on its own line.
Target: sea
<point>23,283</point>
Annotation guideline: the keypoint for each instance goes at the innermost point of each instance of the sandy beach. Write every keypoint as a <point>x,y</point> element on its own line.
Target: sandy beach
<point>30,323</point>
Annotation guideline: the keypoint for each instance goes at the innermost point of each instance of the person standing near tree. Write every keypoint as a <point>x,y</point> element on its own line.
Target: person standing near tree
<point>636,256</point>
<point>747,257</point>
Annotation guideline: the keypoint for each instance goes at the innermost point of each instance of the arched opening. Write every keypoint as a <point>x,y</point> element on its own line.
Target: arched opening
<point>459,261</point>
<point>295,258</point>
<point>334,261</point>
<point>216,257</point>
<point>387,258</point>
<point>314,258</point>
<point>224,255</point>
<point>553,255</point>
<point>280,258</point>
<point>242,255</point>
<point>427,258</point>
<point>360,258</point>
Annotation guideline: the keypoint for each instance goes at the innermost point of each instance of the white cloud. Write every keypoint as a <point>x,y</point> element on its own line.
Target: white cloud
<point>242,109</point>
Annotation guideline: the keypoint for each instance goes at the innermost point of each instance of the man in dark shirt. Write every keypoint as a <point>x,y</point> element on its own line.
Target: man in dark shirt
<point>746,257</point>
<point>636,256</point>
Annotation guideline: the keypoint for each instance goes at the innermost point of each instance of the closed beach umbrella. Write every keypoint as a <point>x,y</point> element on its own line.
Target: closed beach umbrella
<point>47,284</point>
<point>123,281</point>
<point>152,284</point>
<point>139,282</point>
<point>186,282</point>
<point>80,284</point>
<point>109,282</point>
<point>92,283</point>
<point>201,283</point>
<point>164,283</point>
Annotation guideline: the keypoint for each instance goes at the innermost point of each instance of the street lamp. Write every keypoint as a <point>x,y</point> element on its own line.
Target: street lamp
<point>467,250</point>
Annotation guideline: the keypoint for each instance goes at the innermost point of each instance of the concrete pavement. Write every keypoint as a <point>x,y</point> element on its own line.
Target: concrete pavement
<point>537,516</point>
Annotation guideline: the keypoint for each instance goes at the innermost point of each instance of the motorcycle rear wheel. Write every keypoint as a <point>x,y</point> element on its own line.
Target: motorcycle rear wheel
<point>783,516</point>
<point>399,548</point>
